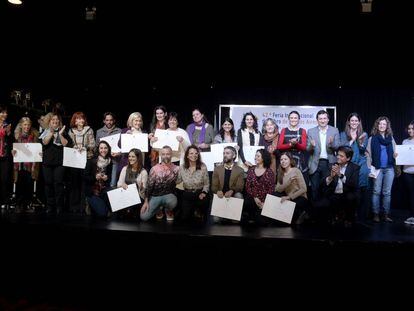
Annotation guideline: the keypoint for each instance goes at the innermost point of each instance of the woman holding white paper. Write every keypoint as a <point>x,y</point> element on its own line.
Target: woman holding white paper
<point>181,136</point>
<point>83,139</point>
<point>135,125</point>
<point>291,186</point>
<point>134,172</point>
<point>97,178</point>
<point>24,174</point>
<point>260,182</point>
<point>409,174</point>
<point>53,140</point>
<point>248,135</point>
<point>159,121</point>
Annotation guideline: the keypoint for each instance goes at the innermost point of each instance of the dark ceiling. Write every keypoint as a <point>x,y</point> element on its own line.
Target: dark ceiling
<point>293,43</point>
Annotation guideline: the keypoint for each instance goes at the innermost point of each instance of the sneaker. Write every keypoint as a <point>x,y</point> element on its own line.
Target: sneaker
<point>159,215</point>
<point>386,218</point>
<point>170,215</point>
<point>409,221</point>
<point>376,218</point>
<point>3,206</point>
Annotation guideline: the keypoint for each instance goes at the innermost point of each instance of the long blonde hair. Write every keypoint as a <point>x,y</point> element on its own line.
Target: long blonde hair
<point>19,129</point>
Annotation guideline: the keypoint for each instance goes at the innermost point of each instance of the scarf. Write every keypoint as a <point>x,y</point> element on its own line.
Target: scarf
<point>192,129</point>
<point>376,143</point>
<point>27,166</point>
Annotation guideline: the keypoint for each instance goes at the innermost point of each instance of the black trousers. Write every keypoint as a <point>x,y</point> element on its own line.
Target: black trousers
<point>54,187</point>
<point>77,196</point>
<point>192,204</point>
<point>251,212</point>
<point>4,179</point>
<point>316,178</point>
<point>24,187</point>
<point>338,205</point>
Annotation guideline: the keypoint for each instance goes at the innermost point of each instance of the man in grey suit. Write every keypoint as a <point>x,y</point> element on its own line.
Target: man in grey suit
<point>323,140</point>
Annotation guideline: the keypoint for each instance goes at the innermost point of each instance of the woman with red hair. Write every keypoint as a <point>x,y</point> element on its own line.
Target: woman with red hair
<point>84,140</point>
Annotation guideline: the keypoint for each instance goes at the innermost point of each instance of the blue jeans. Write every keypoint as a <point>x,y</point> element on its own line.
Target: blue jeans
<point>98,205</point>
<point>114,176</point>
<point>168,201</point>
<point>383,185</point>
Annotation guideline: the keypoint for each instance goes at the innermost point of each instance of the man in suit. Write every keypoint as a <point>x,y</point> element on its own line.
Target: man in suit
<point>228,179</point>
<point>340,188</point>
<point>323,140</point>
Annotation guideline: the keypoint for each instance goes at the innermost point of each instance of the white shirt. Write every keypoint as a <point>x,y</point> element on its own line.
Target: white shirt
<point>322,138</point>
<point>408,169</point>
<point>340,186</point>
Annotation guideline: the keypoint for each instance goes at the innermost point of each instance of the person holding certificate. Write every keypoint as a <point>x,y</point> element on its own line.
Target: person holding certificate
<point>291,186</point>
<point>109,129</point>
<point>381,151</point>
<point>135,125</point>
<point>409,175</point>
<point>134,172</point>
<point>194,175</point>
<point>159,121</point>
<point>248,135</point>
<point>24,174</point>
<point>84,141</point>
<point>5,131</point>
<point>260,182</point>
<point>97,178</point>
<point>181,136</point>
<point>53,140</point>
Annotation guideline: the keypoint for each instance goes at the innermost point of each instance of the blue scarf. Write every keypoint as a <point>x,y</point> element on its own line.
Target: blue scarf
<point>376,143</point>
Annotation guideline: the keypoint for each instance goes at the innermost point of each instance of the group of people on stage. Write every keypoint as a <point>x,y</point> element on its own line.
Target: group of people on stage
<point>326,173</point>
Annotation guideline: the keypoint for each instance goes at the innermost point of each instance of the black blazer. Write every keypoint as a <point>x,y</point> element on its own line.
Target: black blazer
<point>351,184</point>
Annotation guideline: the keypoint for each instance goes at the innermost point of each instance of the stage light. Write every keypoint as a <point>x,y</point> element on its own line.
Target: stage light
<point>17,2</point>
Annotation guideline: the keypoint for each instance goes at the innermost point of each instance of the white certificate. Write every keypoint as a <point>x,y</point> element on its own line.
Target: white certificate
<point>208,159</point>
<point>230,208</point>
<point>29,152</point>
<point>272,208</point>
<point>374,172</point>
<point>166,138</point>
<point>250,152</point>
<point>131,141</point>
<point>74,158</point>
<point>120,198</point>
<point>113,140</point>
<point>217,150</point>
<point>405,154</point>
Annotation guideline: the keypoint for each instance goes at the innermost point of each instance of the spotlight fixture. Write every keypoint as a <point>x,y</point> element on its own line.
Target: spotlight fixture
<point>17,2</point>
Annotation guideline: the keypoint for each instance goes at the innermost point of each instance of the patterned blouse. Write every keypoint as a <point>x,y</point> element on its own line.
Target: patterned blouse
<point>194,180</point>
<point>260,186</point>
<point>83,139</point>
<point>162,179</point>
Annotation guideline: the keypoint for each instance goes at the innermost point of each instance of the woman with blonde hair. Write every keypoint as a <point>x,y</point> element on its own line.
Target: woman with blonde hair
<point>24,174</point>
